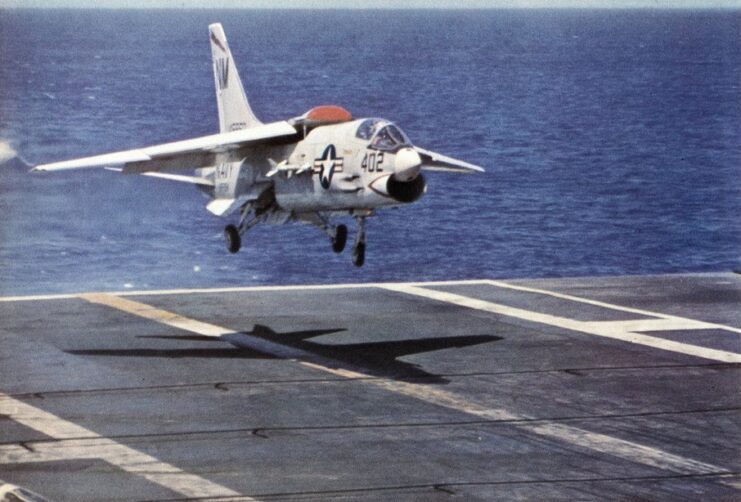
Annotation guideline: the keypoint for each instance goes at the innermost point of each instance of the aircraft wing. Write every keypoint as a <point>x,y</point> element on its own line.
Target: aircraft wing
<point>432,161</point>
<point>190,153</point>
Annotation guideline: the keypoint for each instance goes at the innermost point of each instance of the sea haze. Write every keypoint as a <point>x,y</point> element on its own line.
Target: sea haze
<point>610,139</point>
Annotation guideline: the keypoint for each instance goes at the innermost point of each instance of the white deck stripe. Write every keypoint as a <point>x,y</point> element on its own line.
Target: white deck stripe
<point>310,287</point>
<point>236,289</point>
<point>33,298</point>
<point>608,445</point>
<point>97,446</point>
<point>642,325</point>
<point>598,303</point>
<point>614,330</point>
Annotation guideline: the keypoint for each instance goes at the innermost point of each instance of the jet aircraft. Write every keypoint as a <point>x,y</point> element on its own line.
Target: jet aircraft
<point>311,168</point>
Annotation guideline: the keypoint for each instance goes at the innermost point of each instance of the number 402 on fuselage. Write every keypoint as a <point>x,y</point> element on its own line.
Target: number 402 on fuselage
<point>310,168</point>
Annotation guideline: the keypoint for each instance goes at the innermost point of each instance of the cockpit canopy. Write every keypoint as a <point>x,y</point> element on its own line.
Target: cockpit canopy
<point>383,135</point>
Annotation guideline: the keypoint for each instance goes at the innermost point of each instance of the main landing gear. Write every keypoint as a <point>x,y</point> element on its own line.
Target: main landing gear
<point>233,239</point>
<point>249,217</point>
<point>233,234</point>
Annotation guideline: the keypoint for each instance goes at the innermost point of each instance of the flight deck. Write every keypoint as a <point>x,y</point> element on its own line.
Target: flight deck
<point>611,388</point>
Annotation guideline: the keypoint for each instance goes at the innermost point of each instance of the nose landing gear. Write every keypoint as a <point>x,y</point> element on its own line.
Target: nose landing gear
<point>340,239</point>
<point>358,249</point>
<point>358,254</point>
<point>338,234</point>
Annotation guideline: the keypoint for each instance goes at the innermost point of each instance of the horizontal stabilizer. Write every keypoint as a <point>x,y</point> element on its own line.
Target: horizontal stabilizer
<point>432,161</point>
<point>224,207</point>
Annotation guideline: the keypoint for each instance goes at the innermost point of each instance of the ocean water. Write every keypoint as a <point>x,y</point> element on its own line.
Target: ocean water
<point>611,139</point>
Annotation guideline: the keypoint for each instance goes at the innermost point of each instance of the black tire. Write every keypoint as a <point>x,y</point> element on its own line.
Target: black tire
<point>340,239</point>
<point>358,254</point>
<point>233,240</point>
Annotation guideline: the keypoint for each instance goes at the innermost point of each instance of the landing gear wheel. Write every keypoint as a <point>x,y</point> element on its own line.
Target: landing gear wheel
<point>358,254</point>
<point>233,240</point>
<point>340,239</point>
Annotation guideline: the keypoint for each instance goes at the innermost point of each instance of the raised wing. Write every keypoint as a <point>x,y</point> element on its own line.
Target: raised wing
<point>190,153</point>
<point>432,161</point>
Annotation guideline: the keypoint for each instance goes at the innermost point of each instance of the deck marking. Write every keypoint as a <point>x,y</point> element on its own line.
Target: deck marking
<point>611,306</point>
<point>235,289</point>
<point>33,298</point>
<point>602,443</point>
<point>315,287</point>
<point>617,330</point>
<point>198,327</point>
<point>98,447</point>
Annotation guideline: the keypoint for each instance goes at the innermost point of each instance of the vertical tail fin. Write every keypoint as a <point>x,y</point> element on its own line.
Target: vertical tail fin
<point>234,110</point>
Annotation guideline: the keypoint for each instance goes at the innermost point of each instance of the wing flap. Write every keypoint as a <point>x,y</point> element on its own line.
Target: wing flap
<point>193,160</point>
<point>432,161</point>
<point>190,153</point>
<point>193,180</point>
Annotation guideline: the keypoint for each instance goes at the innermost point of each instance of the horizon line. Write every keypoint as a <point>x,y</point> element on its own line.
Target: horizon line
<point>512,7</point>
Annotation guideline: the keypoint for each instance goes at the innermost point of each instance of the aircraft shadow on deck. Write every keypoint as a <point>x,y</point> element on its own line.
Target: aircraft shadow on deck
<point>374,358</point>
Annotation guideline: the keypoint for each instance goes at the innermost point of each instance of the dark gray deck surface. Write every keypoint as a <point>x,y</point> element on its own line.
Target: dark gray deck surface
<point>377,393</point>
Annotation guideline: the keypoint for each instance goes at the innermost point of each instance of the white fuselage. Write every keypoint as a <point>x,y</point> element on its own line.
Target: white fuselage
<point>340,172</point>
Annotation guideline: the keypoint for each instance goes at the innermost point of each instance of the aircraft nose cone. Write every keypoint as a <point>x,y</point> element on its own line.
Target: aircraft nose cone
<point>407,164</point>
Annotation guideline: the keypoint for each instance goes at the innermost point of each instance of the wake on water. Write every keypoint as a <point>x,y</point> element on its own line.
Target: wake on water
<point>8,153</point>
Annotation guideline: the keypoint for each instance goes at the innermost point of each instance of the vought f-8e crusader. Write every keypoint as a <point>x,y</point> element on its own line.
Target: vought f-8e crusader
<point>310,168</point>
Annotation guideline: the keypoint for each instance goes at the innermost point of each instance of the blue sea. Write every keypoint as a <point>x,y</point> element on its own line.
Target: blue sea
<point>611,139</point>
